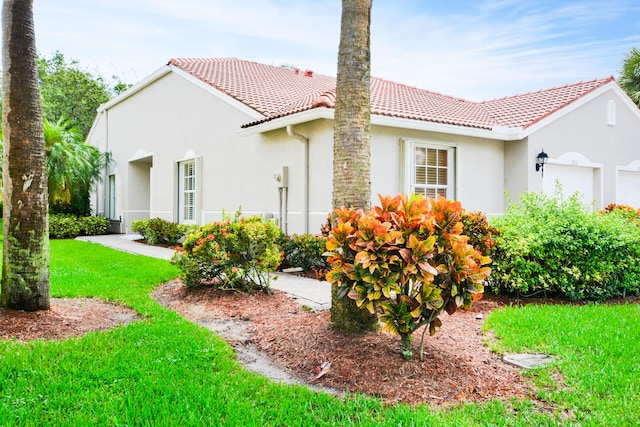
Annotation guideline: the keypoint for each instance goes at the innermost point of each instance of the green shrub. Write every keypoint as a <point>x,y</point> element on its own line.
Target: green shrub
<point>627,212</point>
<point>93,225</point>
<point>63,226</point>
<point>235,253</point>
<point>407,261</point>
<point>304,251</point>
<point>551,245</point>
<point>158,231</point>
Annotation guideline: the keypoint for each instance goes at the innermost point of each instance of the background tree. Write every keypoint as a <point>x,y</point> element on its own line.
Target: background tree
<point>629,78</point>
<point>73,166</point>
<point>351,146</point>
<point>72,94</point>
<point>25,267</point>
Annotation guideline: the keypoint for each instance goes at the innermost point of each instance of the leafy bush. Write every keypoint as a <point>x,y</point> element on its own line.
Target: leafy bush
<point>627,212</point>
<point>551,245</point>
<point>158,231</point>
<point>481,234</point>
<point>63,226</point>
<point>304,251</point>
<point>235,253</point>
<point>408,261</point>
<point>93,225</point>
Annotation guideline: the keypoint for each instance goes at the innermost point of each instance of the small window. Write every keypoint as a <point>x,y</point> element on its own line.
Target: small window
<point>111,210</point>
<point>187,196</point>
<point>432,171</point>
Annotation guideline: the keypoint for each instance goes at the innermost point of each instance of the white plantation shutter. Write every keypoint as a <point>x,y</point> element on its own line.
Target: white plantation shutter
<point>187,188</point>
<point>432,170</point>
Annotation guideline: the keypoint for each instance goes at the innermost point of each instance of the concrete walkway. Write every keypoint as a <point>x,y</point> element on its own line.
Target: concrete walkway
<point>311,293</point>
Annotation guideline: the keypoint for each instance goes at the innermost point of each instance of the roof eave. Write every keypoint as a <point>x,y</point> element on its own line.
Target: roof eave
<point>292,119</point>
<point>151,78</point>
<point>496,133</point>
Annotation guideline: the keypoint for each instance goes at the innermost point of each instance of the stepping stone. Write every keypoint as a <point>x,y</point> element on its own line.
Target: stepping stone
<point>528,361</point>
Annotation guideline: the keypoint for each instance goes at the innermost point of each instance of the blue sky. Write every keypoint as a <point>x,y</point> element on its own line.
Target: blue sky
<point>477,50</point>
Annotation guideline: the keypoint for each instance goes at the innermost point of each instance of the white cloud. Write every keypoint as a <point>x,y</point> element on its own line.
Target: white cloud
<point>480,50</point>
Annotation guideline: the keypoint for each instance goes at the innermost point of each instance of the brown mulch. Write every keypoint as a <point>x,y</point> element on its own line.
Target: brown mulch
<point>67,317</point>
<point>457,366</point>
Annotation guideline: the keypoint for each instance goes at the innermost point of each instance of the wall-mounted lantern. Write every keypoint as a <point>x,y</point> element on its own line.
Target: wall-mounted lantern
<point>541,160</point>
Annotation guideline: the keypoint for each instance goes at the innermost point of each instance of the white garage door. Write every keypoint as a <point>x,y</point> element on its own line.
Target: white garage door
<point>628,190</point>
<point>572,178</point>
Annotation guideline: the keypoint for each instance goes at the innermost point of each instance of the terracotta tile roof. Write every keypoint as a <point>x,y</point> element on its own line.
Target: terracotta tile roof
<point>528,109</point>
<point>280,91</point>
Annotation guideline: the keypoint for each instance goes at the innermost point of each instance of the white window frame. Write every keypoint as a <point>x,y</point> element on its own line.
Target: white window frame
<point>187,191</point>
<point>111,189</point>
<point>409,184</point>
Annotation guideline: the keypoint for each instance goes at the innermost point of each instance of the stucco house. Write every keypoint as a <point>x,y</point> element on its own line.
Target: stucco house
<point>200,137</point>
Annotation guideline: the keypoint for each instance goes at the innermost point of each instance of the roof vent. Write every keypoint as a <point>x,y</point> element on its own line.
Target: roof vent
<point>308,73</point>
<point>296,71</point>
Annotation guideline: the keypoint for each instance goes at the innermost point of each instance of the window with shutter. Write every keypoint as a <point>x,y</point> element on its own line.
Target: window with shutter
<point>432,170</point>
<point>187,196</point>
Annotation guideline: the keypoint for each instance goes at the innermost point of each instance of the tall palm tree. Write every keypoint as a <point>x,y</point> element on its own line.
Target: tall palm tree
<point>25,267</point>
<point>351,146</point>
<point>629,78</point>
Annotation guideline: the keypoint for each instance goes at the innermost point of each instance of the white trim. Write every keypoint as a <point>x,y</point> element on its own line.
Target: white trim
<point>188,155</point>
<point>407,166</point>
<point>497,133</point>
<point>292,119</point>
<point>217,93</point>
<point>573,158</point>
<point>611,112</point>
<point>153,77</point>
<point>634,166</point>
<point>161,72</point>
<point>182,190</point>
<point>140,155</point>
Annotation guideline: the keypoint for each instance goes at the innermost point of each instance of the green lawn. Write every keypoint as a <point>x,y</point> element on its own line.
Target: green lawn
<point>165,371</point>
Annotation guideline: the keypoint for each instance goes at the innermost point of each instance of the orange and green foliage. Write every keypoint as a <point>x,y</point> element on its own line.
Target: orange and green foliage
<point>408,261</point>
<point>625,211</point>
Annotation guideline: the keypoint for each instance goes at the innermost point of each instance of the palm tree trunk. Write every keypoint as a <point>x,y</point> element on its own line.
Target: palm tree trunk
<point>25,268</point>
<point>351,147</point>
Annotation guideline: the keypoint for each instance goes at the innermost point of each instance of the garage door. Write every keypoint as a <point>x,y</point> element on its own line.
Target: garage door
<point>628,188</point>
<point>572,178</point>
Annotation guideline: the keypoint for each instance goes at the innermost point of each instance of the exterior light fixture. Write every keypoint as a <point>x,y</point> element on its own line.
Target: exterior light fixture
<point>541,160</point>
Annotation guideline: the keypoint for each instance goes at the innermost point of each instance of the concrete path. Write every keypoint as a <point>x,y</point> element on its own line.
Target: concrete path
<point>311,293</point>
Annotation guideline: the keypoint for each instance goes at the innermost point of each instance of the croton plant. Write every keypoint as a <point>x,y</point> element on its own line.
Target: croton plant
<point>407,260</point>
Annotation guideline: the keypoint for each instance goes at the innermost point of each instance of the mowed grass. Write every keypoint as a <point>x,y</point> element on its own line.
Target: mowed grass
<point>165,371</point>
<point>596,379</point>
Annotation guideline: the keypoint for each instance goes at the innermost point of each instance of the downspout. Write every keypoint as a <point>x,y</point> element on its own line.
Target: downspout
<point>305,141</point>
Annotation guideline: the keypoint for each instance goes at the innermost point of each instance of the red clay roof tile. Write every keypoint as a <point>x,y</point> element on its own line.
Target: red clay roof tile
<point>280,91</point>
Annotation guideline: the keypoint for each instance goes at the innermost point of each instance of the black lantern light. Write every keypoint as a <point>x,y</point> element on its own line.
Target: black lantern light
<point>541,160</point>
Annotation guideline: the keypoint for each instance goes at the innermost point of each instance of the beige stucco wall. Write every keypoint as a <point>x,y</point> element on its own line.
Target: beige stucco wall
<point>584,138</point>
<point>479,166</point>
<point>176,118</point>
